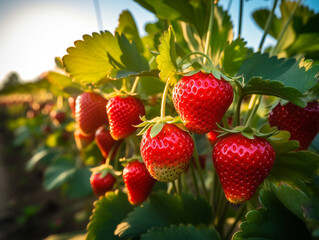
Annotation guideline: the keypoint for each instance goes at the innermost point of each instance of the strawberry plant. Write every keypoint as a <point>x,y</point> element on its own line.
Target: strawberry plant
<point>150,109</point>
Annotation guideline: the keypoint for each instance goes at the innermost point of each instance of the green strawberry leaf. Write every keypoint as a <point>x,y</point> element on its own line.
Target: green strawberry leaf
<point>78,184</point>
<point>128,27</point>
<point>58,173</point>
<point>131,62</point>
<point>148,86</point>
<point>108,212</point>
<point>63,83</point>
<point>166,60</point>
<point>162,210</point>
<point>45,156</point>
<point>272,221</point>
<point>277,77</point>
<point>292,165</point>
<point>88,61</point>
<point>234,55</point>
<point>181,232</point>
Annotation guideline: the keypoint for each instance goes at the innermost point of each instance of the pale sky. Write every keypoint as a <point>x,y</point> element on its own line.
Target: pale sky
<point>33,32</point>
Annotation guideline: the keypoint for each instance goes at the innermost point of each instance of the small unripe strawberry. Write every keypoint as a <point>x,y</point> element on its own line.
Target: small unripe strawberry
<point>101,185</point>
<point>90,112</point>
<point>124,112</point>
<point>138,181</point>
<point>242,164</point>
<point>302,123</point>
<point>201,100</point>
<point>167,155</point>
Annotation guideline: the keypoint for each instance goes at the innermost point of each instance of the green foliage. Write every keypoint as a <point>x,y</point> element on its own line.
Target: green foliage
<point>181,232</point>
<point>163,210</point>
<point>45,156</point>
<point>273,221</point>
<point>109,210</point>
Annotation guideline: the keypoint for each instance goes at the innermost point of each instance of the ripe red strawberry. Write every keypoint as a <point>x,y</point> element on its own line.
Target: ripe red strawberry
<point>90,112</point>
<point>167,155</point>
<point>302,123</point>
<point>201,100</point>
<point>104,141</point>
<point>123,113</point>
<point>212,137</point>
<point>242,164</point>
<point>82,141</point>
<point>138,181</point>
<point>101,185</point>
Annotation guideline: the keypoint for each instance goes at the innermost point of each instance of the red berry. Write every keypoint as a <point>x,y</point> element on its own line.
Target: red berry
<point>201,100</point>
<point>101,185</point>
<point>104,141</point>
<point>212,137</point>
<point>58,117</point>
<point>167,155</point>
<point>138,181</point>
<point>82,141</point>
<point>302,123</point>
<point>90,112</point>
<point>123,113</point>
<point>242,164</point>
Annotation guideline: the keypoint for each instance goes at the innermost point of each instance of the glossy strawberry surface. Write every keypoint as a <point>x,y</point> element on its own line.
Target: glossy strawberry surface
<point>123,113</point>
<point>167,155</point>
<point>201,100</point>
<point>90,112</point>
<point>212,137</point>
<point>302,123</point>
<point>82,141</point>
<point>138,181</point>
<point>242,164</point>
<point>104,141</point>
<point>101,185</point>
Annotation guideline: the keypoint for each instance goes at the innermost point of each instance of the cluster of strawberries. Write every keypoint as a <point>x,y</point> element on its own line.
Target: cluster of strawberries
<point>201,100</point>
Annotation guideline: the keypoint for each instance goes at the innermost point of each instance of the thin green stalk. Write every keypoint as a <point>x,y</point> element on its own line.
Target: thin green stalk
<point>236,121</point>
<point>240,17</point>
<point>163,104</point>
<point>268,23</point>
<point>251,104</point>
<point>135,84</point>
<point>222,218</point>
<point>194,178</point>
<point>98,14</point>
<point>174,187</point>
<point>240,214</point>
<point>184,184</point>
<point>199,169</point>
<point>254,110</point>
<point>209,31</point>
<point>274,51</point>
<point>108,159</point>
<point>194,53</point>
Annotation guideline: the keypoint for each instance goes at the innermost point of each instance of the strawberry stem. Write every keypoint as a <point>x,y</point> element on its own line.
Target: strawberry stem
<point>199,169</point>
<point>163,104</point>
<point>240,214</point>
<point>253,111</point>
<point>194,53</point>
<point>174,187</point>
<point>194,178</point>
<point>209,31</point>
<point>237,112</point>
<point>135,84</point>
<point>267,26</point>
<point>240,17</point>
<point>179,184</point>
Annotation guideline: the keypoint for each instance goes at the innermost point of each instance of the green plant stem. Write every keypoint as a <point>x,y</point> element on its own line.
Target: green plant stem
<point>238,217</point>
<point>124,85</point>
<point>184,184</point>
<point>135,84</point>
<point>251,105</point>
<point>174,187</point>
<point>253,112</point>
<point>98,14</point>
<point>179,184</point>
<point>274,51</point>
<point>209,30</point>
<point>240,17</point>
<point>163,104</point>
<point>194,178</point>
<point>199,169</point>
<point>268,23</point>
<point>236,121</point>
<point>194,53</point>
<point>221,220</point>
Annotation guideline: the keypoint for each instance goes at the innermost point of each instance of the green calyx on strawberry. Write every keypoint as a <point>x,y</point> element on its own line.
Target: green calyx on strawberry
<point>201,98</point>
<point>166,149</point>
<point>90,112</point>
<point>124,111</point>
<point>243,158</point>
<point>138,181</point>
